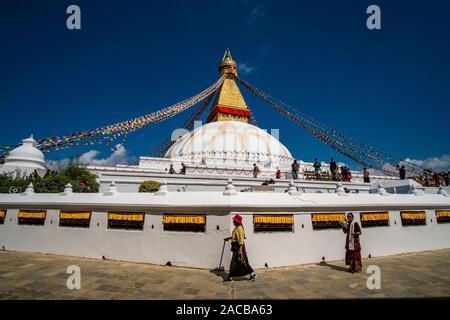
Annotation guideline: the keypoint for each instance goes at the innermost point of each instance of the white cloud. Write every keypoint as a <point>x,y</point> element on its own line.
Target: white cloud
<point>436,164</point>
<point>246,68</point>
<point>119,156</point>
<point>255,14</point>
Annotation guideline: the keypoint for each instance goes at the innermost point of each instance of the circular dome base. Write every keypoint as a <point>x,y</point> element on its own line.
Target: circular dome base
<point>230,141</point>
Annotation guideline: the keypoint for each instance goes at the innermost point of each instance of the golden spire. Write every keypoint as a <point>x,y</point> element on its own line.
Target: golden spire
<point>229,104</point>
<point>227,64</point>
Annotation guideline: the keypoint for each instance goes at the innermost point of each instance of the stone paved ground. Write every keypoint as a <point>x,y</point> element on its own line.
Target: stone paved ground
<point>38,276</point>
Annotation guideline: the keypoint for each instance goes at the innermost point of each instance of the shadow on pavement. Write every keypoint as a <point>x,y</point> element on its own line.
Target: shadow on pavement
<point>220,273</point>
<point>223,274</point>
<point>332,266</point>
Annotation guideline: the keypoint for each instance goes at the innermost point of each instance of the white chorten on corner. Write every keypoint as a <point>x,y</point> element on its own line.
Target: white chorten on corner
<point>25,159</point>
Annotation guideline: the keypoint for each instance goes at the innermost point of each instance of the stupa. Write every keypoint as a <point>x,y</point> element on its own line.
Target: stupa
<point>25,159</point>
<point>226,146</point>
<point>184,223</point>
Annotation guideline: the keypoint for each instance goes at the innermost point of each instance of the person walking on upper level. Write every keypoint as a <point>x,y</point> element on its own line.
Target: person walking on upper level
<point>366,175</point>
<point>183,168</point>
<point>295,168</point>
<point>437,179</point>
<point>333,169</point>
<point>317,167</point>
<point>349,175</point>
<point>256,170</point>
<point>402,172</point>
<point>278,174</point>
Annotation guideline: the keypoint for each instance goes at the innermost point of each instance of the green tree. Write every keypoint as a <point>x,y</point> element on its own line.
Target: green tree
<point>50,183</point>
<point>53,182</point>
<point>149,186</point>
<point>7,182</point>
<point>82,179</point>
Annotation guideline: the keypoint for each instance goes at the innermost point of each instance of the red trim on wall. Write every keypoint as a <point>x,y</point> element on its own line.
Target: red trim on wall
<point>217,109</point>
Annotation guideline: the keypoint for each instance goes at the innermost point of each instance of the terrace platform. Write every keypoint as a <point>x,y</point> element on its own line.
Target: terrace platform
<point>39,276</point>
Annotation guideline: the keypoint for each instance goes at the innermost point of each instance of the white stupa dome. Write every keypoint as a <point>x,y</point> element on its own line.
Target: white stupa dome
<point>230,141</point>
<point>26,158</point>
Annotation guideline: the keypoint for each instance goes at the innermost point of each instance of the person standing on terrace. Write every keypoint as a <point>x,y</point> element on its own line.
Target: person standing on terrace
<point>402,172</point>
<point>183,168</point>
<point>317,167</point>
<point>295,167</point>
<point>256,170</point>
<point>278,173</point>
<point>333,169</point>
<point>366,175</point>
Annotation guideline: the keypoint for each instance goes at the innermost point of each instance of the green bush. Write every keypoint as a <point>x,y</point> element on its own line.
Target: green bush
<point>7,182</point>
<point>149,186</point>
<point>53,182</point>
<point>81,178</point>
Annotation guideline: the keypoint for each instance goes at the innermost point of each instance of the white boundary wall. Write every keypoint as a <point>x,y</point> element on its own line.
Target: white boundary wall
<point>203,250</point>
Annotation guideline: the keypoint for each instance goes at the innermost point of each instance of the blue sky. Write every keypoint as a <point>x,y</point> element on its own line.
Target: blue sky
<point>389,88</point>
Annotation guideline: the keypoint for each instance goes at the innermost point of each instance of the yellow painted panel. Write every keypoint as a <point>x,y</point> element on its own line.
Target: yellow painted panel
<point>441,214</point>
<point>274,219</point>
<point>126,216</point>
<point>74,215</point>
<point>32,214</point>
<point>413,215</point>
<point>184,219</point>
<point>324,217</point>
<point>374,216</point>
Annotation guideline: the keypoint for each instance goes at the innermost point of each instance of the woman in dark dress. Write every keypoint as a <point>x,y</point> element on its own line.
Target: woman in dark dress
<point>239,265</point>
<point>352,244</point>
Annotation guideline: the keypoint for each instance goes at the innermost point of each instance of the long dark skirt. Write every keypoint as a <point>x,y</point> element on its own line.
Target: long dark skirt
<point>239,268</point>
<point>353,259</point>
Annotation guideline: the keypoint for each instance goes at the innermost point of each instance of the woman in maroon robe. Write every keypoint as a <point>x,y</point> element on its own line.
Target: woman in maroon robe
<point>352,244</point>
<point>239,265</point>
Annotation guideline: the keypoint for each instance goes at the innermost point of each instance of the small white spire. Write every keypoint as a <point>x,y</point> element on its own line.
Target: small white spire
<point>112,189</point>
<point>442,191</point>
<point>230,190</point>
<point>381,190</point>
<point>29,190</point>
<point>67,190</point>
<point>414,190</point>
<point>292,188</point>
<point>340,189</point>
<point>30,140</point>
<point>163,190</point>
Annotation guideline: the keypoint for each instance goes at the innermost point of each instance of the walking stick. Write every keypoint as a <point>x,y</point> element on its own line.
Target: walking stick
<point>221,256</point>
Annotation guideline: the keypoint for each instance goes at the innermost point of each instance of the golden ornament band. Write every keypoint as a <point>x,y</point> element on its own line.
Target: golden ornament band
<point>325,217</point>
<point>184,219</point>
<point>442,214</point>
<point>274,219</point>
<point>414,215</point>
<point>31,214</point>
<point>126,216</point>
<point>378,216</point>
<point>74,215</point>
